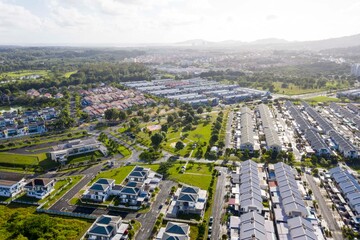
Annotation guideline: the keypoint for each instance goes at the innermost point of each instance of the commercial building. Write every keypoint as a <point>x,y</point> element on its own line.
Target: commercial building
<point>197,91</point>
<point>75,147</point>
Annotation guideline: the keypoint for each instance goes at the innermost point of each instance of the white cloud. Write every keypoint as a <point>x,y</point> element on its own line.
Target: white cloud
<point>101,21</point>
<point>13,17</point>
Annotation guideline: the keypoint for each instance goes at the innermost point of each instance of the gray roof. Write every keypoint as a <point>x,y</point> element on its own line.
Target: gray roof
<point>301,229</point>
<point>289,192</point>
<point>247,125</point>
<point>317,143</point>
<point>343,144</point>
<point>252,226</point>
<point>271,136</point>
<point>325,125</point>
<point>250,192</point>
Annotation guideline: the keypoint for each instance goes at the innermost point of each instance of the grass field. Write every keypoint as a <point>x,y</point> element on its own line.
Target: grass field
<point>323,99</point>
<point>18,74</point>
<point>118,174</point>
<point>124,151</point>
<point>68,74</point>
<point>294,90</point>
<point>198,134</point>
<point>197,174</point>
<point>34,140</point>
<point>13,160</point>
<point>84,157</point>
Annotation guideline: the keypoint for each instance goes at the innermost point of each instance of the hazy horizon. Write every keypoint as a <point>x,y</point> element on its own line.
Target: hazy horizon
<point>138,22</point>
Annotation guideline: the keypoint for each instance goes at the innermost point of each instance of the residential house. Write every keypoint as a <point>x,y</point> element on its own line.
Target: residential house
<point>39,187</point>
<point>174,231</point>
<point>108,227</point>
<point>190,200</point>
<point>11,184</point>
<point>132,194</point>
<point>139,183</point>
<point>100,190</point>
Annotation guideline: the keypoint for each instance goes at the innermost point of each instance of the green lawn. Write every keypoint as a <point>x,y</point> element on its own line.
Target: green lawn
<point>124,151</point>
<point>13,160</point>
<point>118,174</point>
<point>68,74</point>
<point>194,232</point>
<point>323,99</point>
<point>25,221</point>
<point>22,73</point>
<point>199,134</point>
<point>34,140</point>
<point>294,90</point>
<point>84,157</point>
<point>197,174</point>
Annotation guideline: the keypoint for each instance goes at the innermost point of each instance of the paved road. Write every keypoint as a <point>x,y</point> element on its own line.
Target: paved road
<point>89,175</point>
<point>148,219</point>
<point>218,203</point>
<point>228,130</point>
<point>324,209</point>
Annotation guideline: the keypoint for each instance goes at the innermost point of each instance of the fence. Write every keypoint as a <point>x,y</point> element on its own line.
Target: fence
<point>68,214</point>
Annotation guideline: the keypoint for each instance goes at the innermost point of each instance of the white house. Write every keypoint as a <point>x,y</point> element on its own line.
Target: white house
<point>108,227</point>
<point>11,184</point>
<point>100,190</point>
<point>39,187</point>
<point>180,231</point>
<point>189,200</point>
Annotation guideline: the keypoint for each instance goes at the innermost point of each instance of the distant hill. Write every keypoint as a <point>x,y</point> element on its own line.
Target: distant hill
<point>195,42</point>
<point>341,42</point>
<point>275,43</point>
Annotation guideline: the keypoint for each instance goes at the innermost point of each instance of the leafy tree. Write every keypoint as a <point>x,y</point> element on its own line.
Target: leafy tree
<point>146,118</point>
<point>111,114</point>
<point>156,139</point>
<point>122,115</point>
<point>200,110</point>
<point>214,138</point>
<point>164,128</point>
<point>170,119</point>
<point>179,145</point>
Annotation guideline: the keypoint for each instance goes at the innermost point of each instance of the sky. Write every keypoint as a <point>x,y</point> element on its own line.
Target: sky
<point>87,22</point>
